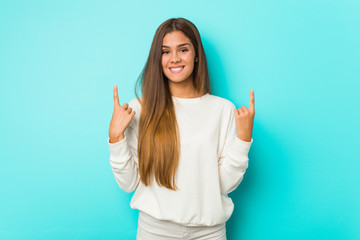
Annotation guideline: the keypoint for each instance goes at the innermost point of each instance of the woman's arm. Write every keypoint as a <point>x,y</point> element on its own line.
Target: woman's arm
<point>124,160</point>
<point>233,158</point>
<point>123,143</point>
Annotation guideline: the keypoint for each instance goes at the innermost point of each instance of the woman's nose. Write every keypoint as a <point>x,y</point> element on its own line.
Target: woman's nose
<point>175,57</point>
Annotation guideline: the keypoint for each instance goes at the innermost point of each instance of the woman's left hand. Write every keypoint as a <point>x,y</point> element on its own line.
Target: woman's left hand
<point>244,119</point>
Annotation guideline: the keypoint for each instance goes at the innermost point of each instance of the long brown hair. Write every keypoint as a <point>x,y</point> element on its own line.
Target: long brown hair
<point>158,139</point>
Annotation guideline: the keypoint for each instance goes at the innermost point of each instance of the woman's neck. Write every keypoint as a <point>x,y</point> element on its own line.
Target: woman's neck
<point>183,90</point>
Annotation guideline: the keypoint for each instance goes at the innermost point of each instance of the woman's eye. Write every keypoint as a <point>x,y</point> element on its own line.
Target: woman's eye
<point>165,52</point>
<point>183,50</point>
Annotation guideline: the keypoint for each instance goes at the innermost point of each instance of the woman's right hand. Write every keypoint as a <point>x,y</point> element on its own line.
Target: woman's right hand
<point>120,120</point>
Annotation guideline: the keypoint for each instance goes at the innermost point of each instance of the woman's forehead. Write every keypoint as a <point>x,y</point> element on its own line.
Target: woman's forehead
<point>175,39</point>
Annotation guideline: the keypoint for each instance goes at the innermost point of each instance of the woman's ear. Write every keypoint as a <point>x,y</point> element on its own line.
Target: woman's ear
<point>196,59</point>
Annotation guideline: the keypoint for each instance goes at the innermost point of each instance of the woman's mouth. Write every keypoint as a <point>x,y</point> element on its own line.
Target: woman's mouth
<point>177,69</point>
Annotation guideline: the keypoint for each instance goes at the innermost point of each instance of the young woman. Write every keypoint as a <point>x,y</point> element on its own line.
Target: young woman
<point>180,147</point>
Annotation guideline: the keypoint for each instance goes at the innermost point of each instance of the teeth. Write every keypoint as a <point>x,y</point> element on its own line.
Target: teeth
<point>176,69</point>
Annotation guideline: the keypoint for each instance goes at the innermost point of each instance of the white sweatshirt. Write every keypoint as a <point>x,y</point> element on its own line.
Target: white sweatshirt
<point>212,164</point>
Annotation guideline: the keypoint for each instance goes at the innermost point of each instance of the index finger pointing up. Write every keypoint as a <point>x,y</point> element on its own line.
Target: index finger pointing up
<point>252,100</point>
<point>116,97</point>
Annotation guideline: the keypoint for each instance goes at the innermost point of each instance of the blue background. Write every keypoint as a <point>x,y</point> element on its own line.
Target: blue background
<point>59,61</point>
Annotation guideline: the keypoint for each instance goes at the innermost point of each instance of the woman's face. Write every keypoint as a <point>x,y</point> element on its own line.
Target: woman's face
<point>178,57</point>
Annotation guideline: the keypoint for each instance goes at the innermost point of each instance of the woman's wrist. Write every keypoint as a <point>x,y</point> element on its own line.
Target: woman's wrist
<point>118,139</point>
<point>245,139</point>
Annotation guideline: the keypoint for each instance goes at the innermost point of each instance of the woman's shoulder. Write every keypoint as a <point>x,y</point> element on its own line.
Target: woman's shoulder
<point>221,102</point>
<point>135,103</point>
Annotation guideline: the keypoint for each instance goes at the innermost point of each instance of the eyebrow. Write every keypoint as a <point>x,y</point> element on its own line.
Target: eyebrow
<point>180,45</point>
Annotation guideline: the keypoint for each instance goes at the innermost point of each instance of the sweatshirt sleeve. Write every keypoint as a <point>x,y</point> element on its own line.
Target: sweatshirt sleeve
<point>233,160</point>
<point>123,156</point>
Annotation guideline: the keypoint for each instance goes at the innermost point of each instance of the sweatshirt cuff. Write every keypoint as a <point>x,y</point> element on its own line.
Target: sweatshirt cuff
<point>119,149</point>
<point>241,146</point>
<point>117,143</point>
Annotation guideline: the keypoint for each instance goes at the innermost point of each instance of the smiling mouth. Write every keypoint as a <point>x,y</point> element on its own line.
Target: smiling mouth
<point>177,69</point>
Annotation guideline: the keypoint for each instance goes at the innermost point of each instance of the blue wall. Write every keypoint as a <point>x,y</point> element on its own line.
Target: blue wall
<point>59,61</point>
